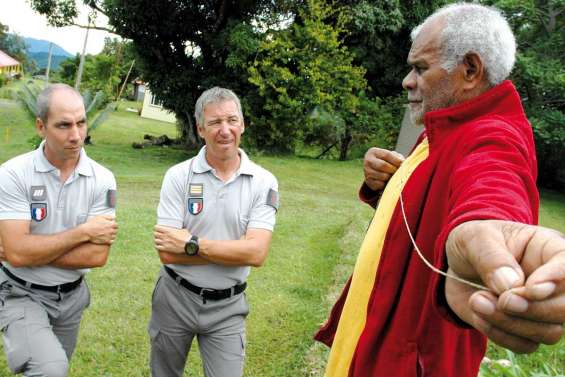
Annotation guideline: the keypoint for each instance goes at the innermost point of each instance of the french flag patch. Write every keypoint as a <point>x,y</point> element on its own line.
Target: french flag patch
<point>38,211</point>
<point>195,205</point>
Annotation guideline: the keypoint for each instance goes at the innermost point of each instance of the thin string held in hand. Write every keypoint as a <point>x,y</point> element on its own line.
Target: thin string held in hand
<point>437,270</point>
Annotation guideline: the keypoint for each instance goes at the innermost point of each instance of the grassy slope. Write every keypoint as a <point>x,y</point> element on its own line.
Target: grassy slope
<point>319,226</point>
<point>286,295</point>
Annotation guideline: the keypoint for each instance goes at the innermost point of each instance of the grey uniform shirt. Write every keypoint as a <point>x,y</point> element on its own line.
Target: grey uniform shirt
<point>193,197</point>
<point>30,189</point>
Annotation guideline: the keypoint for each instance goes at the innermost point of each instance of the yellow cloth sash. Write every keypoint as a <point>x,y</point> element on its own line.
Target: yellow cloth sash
<point>353,316</point>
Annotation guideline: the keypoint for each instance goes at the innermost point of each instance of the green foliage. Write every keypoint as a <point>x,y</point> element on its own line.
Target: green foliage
<point>58,13</point>
<point>511,366</point>
<point>93,105</point>
<point>27,95</point>
<point>377,32</point>
<point>308,87</point>
<point>2,80</point>
<point>540,78</point>
<point>186,47</point>
<point>105,72</point>
<point>549,132</point>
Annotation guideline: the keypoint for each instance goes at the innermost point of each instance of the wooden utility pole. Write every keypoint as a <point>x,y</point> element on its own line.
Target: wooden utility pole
<point>125,81</point>
<point>48,63</point>
<point>81,65</point>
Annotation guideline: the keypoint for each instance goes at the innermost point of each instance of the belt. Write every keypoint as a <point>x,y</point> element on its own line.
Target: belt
<point>64,288</point>
<point>207,293</point>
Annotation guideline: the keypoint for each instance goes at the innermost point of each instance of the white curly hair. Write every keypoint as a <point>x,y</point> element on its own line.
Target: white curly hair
<point>475,28</point>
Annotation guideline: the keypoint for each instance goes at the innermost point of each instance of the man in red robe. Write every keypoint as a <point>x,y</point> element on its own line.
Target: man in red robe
<point>466,194</point>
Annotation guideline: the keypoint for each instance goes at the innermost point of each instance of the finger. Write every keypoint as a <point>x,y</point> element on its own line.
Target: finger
<point>484,305</point>
<point>399,155</point>
<point>160,229</point>
<point>502,338</point>
<point>377,175</point>
<point>375,186</point>
<point>550,310</point>
<point>543,281</point>
<point>457,295</point>
<point>380,165</point>
<point>392,157</point>
<point>478,249</point>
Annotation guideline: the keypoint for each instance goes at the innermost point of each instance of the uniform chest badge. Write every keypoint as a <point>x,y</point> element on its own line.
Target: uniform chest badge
<point>38,211</point>
<point>196,190</point>
<point>195,205</point>
<point>38,193</point>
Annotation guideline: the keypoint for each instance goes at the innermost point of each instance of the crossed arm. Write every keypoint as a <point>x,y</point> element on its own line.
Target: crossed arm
<point>251,250</point>
<point>84,246</point>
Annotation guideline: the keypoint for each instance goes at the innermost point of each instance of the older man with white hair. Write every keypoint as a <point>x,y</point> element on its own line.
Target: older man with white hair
<point>449,255</point>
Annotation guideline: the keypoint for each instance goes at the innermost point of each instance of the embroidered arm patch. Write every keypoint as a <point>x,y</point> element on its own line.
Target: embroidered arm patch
<point>111,197</point>
<point>273,199</point>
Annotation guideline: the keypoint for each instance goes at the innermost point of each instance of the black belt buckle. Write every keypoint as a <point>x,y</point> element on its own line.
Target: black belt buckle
<point>207,293</point>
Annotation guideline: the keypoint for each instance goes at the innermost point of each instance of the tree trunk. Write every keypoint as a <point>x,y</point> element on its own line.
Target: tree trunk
<point>344,147</point>
<point>188,133</point>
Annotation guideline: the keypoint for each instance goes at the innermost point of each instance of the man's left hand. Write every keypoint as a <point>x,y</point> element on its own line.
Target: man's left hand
<point>170,240</point>
<point>524,267</point>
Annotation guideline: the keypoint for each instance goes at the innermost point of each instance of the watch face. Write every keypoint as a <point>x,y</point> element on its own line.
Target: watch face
<point>191,247</point>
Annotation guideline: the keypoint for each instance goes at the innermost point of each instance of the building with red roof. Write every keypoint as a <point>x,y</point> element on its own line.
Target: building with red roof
<point>9,66</point>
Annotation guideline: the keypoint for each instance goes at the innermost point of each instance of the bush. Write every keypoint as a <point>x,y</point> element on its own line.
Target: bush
<point>549,135</point>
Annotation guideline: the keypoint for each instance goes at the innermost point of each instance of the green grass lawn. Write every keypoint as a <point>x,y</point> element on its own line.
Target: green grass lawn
<point>319,229</point>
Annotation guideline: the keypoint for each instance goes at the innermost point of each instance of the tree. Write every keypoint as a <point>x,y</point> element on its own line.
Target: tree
<point>540,78</point>
<point>182,47</point>
<point>378,34</point>
<point>104,72</point>
<point>308,87</point>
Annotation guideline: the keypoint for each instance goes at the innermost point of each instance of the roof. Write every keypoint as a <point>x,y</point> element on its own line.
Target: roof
<point>6,60</point>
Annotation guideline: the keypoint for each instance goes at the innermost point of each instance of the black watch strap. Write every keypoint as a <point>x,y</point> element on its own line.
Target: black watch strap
<point>191,247</point>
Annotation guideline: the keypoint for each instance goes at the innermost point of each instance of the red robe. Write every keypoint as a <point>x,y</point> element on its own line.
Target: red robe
<point>481,165</point>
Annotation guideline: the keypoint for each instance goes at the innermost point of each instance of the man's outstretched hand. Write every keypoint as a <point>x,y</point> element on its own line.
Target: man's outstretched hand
<point>524,267</point>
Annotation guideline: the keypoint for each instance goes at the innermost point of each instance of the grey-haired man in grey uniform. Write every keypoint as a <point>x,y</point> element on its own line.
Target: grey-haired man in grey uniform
<point>56,222</point>
<point>215,220</point>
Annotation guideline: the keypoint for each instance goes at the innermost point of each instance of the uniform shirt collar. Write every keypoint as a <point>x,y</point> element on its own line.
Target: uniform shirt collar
<point>201,164</point>
<point>43,165</point>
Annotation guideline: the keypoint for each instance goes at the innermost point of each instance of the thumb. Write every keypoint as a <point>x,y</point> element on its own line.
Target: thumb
<point>480,250</point>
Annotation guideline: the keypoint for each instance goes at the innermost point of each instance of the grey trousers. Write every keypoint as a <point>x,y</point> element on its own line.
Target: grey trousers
<point>179,315</point>
<point>40,328</point>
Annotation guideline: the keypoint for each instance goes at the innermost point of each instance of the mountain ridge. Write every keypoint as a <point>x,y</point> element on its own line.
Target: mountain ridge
<point>41,45</point>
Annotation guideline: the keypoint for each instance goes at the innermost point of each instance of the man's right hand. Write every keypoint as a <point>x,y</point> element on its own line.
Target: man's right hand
<point>101,229</point>
<point>379,165</point>
<point>524,267</point>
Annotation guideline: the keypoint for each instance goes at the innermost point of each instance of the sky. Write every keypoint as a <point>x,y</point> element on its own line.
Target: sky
<point>22,20</point>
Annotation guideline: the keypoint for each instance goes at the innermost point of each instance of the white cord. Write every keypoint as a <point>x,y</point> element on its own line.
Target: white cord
<point>461,280</point>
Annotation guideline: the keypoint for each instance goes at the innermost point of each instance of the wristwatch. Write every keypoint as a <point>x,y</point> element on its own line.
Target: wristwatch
<point>191,246</point>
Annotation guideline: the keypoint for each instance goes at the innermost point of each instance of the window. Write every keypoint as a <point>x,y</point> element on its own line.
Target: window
<point>155,101</point>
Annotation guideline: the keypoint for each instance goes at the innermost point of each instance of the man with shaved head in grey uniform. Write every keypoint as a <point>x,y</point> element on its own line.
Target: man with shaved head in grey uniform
<point>215,220</point>
<point>56,222</point>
